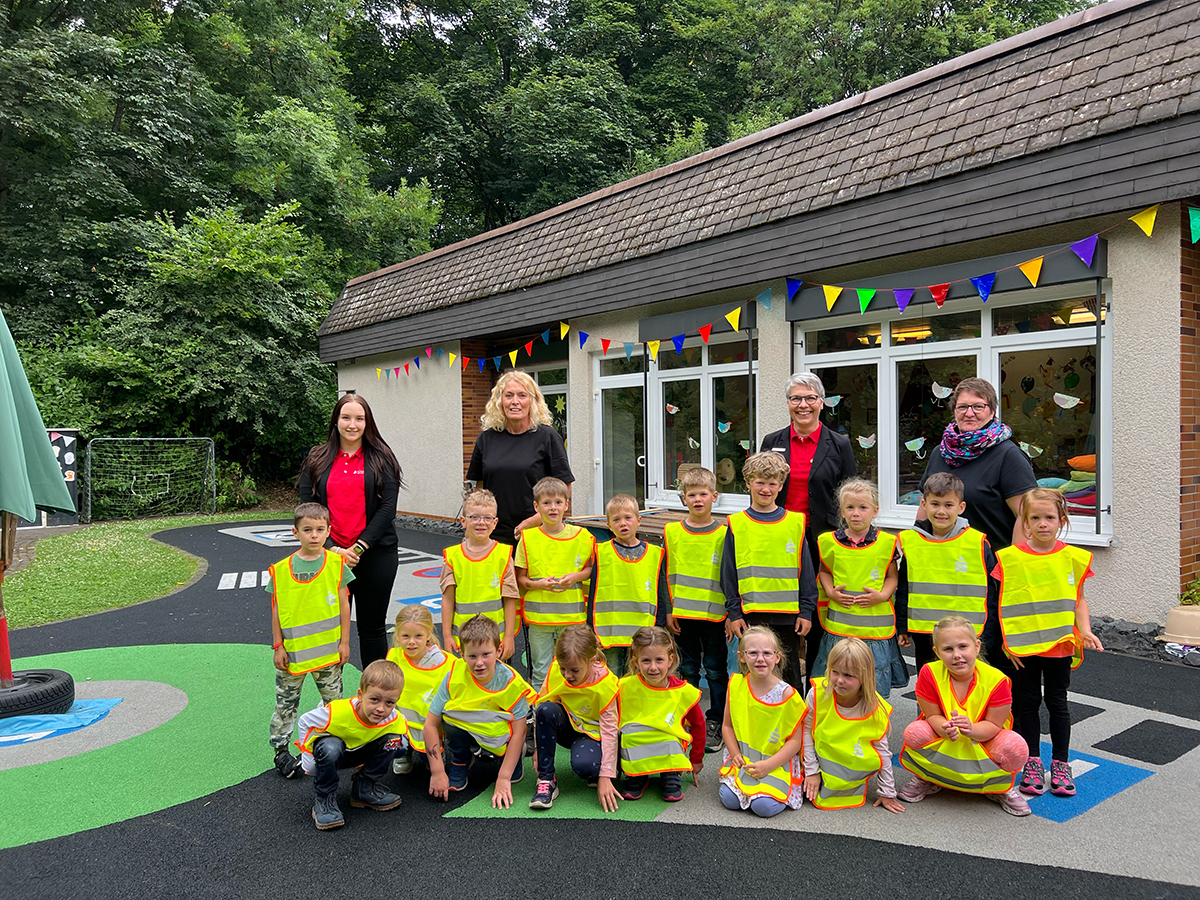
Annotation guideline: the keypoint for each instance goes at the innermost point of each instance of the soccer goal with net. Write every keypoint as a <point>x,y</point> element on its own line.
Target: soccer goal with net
<point>133,478</point>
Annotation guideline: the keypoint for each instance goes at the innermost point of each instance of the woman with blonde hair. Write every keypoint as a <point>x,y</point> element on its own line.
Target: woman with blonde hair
<point>517,447</point>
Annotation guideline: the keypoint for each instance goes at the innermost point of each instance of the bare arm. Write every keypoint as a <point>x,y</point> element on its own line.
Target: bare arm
<point>1014,503</point>
<point>344,624</point>
<point>448,596</point>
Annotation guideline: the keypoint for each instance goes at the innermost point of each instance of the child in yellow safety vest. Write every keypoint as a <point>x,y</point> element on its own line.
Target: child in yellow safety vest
<point>846,733</point>
<point>858,576</point>
<point>577,708</point>
<point>481,703</point>
<point>963,739</point>
<point>478,575</point>
<point>628,585</point>
<point>425,665</point>
<point>659,718</point>
<point>763,729</point>
<point>1045,623</point>
<point>310,626</point>
<point>363,733</point>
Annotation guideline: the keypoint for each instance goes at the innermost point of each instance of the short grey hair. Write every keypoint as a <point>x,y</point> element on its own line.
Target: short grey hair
<point>805,379</point>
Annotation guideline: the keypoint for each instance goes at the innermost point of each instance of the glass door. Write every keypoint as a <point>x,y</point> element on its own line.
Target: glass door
<point>623,443</point>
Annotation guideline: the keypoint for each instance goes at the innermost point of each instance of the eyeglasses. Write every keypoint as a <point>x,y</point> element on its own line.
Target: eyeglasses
<point>475,520</point>
<point>977,408</point>
<point>806,400</point>
<point>758,654</point>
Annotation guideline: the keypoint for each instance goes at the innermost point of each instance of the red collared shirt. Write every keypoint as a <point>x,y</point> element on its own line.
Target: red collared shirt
<point>802,451</point>
<point>347,498</point>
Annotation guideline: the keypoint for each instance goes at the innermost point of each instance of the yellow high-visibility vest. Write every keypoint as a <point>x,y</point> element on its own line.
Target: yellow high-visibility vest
<point>653,738</point>
<point>694,572</point>
<point>419,687</point>
<point>762,729</point>
<point>962,764</point>
<point>477,583</point>
<point>1038,596</point>
<point>768,562</point>
<point>859,568</point>
<point>554,556</point>
<point>626,594</point>
<point>845,748</point>
<point>945,578</point>
<point>345,723</point>
<point>583,703</point>
<point>485,715</point>
<point>309,614</point>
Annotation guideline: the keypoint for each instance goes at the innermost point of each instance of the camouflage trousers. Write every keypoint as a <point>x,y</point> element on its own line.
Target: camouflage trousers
<point>287,699</point>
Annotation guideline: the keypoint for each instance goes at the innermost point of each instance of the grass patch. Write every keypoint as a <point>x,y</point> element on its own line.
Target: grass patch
<point>104,566</point>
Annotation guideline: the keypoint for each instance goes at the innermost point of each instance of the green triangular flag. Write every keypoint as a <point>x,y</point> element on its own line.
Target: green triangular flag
<point>1194,221</point>
<point>865,296</point>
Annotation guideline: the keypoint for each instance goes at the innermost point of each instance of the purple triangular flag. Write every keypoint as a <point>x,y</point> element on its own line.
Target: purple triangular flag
<point>628,349</point>
<point>793,285</point>
<point>983,284</point>
<point>582,339</point>
<point>1086,249</point>
<point>903,297</point>
<point>678,342</point>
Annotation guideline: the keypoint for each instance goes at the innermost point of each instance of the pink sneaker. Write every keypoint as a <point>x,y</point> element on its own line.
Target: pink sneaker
<point>1033,778</point>
<point>917,790</point>
<point>1061,782</point>
<point>1011,802</point>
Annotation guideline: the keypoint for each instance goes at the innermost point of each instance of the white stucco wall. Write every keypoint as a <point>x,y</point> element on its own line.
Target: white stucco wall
<point>420,416</point>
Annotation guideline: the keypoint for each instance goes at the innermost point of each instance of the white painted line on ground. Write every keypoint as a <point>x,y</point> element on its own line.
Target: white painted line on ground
<point>266,577</point>
<point>1079,766</point>
<point>249,580</point>
<point>228,581</point>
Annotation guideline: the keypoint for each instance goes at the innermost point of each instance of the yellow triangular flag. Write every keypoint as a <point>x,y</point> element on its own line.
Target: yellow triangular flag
<point>378,374</point>
<point>513,357</point>
<point>734,317</point>
<point>452,360</point>
<point>831,295</point>
<point>653,345</point>
<point>1145,219</point>
<point>1032,270</point>
<point>563,328</point>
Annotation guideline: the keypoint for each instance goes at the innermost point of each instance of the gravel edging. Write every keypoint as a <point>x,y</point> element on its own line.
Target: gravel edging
<point>1141,640</point>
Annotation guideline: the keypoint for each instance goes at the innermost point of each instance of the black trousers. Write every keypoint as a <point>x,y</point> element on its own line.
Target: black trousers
<point>1055,675</point>
<point>370,594</point>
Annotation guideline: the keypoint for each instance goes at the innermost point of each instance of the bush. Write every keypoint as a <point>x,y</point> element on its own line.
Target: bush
<point>235,489</point>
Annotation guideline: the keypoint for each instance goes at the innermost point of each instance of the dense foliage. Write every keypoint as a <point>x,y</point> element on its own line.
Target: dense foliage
<point>185,185</point>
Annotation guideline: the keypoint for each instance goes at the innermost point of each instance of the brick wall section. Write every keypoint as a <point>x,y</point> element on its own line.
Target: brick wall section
<point>476,389</point>
<point>1189,405</point>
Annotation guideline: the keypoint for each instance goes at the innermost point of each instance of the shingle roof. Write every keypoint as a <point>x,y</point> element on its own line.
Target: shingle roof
<point>1109,68</point>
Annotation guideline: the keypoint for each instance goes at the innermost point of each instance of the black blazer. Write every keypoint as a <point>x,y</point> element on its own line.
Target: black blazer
<point>832,464</point>
<point>381,504</point>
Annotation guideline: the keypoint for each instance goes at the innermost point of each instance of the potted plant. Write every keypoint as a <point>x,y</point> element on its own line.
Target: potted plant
<point>1183,621</point>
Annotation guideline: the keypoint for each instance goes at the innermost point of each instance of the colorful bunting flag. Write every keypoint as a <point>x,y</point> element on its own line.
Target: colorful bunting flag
<point>546,336</point>
<point>563,328</point>
<point>439,352</point>
<point>765,298</point>
<point>983,285</point>
<point>496,360</point>
<point>903,297</point>
<point>653,345</point>
<point>939,293</point>
<point>1086,249</point>
<point>582,339</point>
<point>705,331</point>
<point>1145,220</point>
<point>734,318</point>
<point>1194,223</point>
<point>406,365</point>
<point>482,363</point>
<point>397,370</point>
<point>1032,270</point>
<point>452,360</point>
<point>831,295</point>
<point>429,352</point>
<point>466,361</point>
<point>628,349</point>
<point>793,285</point>
<point>529,348</point>
<point>678,342</point>
<point>378,374</point>
<point>604,342</point>
<point>865,296</point>
<point>417,360</point>
<point>388,372</point>
<point>512,357</point>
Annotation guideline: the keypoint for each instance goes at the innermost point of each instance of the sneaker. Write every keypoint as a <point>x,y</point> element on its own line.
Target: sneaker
<point>545,794</point>
<point>714,741</point>
<point>458,776</point>
<point>1061,782</point>
<point>402,765</point>
<point>1012,802</point>
<point>672,787</point>
<point>518,771</point>
<point>1033,778</point>
<point>633,786</point>
<point>287,765</point>
<point>326,813</point>
<point>371,795</point>
<point>917,790</point>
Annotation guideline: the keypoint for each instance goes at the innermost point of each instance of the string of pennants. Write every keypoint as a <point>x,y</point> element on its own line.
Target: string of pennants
<point>1085,249</point>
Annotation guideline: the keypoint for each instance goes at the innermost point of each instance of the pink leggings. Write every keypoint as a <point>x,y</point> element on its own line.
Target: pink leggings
<point>1007,749</point>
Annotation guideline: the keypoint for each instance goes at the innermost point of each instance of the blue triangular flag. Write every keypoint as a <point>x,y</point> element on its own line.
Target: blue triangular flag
<point>628,350</point>
<point>482,363</point>
<point>546,336</point>
<point>439,352</point>
<point>983,284</point>
<point>765,298</point>
<point>1086,249</point>
<point>417,360</point>
<point>793,285</point>
<point>678,342</point>
<point>388,373</point>
<point>496,360</point>
<point>582,339</point>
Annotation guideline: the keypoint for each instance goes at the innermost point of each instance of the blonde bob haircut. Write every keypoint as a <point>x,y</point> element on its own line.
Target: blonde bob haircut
<point>852,656</point>
<point>493,417</point>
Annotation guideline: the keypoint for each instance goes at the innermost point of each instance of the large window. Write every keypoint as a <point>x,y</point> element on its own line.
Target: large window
<point>888,378</point>
<point>552,381</point>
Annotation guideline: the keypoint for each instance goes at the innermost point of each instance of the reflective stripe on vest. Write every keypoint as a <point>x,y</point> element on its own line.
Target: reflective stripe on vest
<point>1038,596</point>
<point>345,724</point>
<point>626,594</point>
<point>962,764</point>
<point>419,687</point>
<point>583,703</point>
<point>858,568</point>
<point>477,583</point>
<point>845,748</point>
<point>698,594</point>
<point>945,578</point>
<point>553,556</point>
<point>762,729</point>
<point>485,715</point>
<point>309,614</point>
<point>768,562</point>
<point>653,738</point>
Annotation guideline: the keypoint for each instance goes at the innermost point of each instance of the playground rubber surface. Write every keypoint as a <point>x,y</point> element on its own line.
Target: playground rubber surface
<point>173,794</point>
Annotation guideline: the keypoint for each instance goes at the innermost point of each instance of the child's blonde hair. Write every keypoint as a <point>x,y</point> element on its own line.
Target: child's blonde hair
<point>479,629</point>
<point>697,478</point>
<point>1044,495</point>
<point>857,486</point>
<point>852,656</point>
<point>550,487</point>
<point>948,622</point>
<point>652,636</point>
<point>414,614</point>
<point>383,673</point>
<point>480,497</point>
<point>577,642</point>
<point>762,631</point>
<point>621,501</point>
<point>766,465</point>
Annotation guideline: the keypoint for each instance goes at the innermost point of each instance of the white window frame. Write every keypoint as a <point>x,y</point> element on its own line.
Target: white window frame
<point>986,350</point>
<point>601,383</point>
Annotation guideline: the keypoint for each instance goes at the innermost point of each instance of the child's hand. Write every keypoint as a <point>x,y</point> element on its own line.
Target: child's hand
<point>757,769</point>
<point>950,731</point>
<point>735,759</point>
<point>963,724</point>
<point>506,647</point>
<point>439,786</point>
<point>812,784</point>
<point>803,625</point>
<point>734,629</point>
<point>1091,641</point>
<point>608,794</point>
<point>281,658</point>
<point>904,639</point>
<point>840,594</point>
<point>502,796</point>
<point>672,625</point>
<point>891,804</point>
<point>344,651</point>
<point>870,597</point>
<point>697,769</point>
<point>1016,660</point>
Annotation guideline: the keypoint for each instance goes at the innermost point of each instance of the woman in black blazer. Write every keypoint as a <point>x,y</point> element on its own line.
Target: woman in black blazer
<point>832,463</point>
<point>356,476</point>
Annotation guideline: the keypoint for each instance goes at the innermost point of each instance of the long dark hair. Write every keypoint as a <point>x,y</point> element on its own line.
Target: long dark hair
<point>377,455</point>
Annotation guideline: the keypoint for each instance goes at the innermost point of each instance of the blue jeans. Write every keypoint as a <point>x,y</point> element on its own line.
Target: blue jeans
<point>890,670</point>
<point>554,729</point>
<point>330,754</point>
<point>541,652</point>
<point>702,643</point>
<point>763,807</point>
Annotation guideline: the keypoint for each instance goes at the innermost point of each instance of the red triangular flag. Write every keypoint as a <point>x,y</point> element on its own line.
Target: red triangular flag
<point>465,360</point>
<point>705,331</point>
<point>604,342</point>
<point>406,365</point>
<point>529,348</point>
<point>939,293</point>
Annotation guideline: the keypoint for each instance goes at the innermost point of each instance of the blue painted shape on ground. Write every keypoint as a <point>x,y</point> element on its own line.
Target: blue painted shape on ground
<point>433,601</point>
<point>27,729</point>
<point>1093,787</point>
